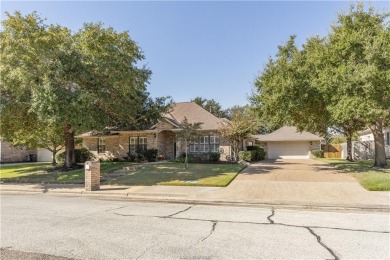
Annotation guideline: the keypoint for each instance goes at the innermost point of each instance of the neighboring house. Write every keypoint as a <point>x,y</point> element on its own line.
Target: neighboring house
<point>15,154</point>
<point>365,147</point>
<point>367,135</point>
<point>288,143</point>
<point>161,136</point>
<point>11,154</point>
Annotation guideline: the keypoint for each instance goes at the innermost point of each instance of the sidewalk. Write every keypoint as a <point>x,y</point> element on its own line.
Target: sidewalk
<point>177,194</point>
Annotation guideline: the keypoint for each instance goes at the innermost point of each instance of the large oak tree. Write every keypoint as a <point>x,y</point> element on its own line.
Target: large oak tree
<point>78,81</point>
<point>339,81</point>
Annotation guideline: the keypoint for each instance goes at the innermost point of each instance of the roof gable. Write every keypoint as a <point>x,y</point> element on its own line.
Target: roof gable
<point>287,133</point>
<point>194,114</point>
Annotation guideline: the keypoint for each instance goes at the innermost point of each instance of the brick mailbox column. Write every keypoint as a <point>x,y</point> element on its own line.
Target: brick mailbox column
<point>92,175</point>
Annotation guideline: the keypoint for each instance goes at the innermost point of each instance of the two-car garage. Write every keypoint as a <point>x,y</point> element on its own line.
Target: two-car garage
<point>288,143</point>
<point>288,150</point>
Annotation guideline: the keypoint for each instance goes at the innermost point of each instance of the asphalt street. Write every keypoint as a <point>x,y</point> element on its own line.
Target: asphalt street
<point>59,227</point>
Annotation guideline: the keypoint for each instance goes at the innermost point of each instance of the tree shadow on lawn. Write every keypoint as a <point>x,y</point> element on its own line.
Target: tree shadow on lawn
<point>44,177</point>
<point>357,166</point>
<point>22,169</point>
<point>149,175</point>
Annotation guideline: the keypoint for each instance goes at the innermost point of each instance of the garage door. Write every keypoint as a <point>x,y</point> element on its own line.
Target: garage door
<point>44,155</point>
<point>288,150</point>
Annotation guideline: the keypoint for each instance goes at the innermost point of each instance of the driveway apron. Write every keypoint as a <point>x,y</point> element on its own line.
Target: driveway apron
<point>299,182</point>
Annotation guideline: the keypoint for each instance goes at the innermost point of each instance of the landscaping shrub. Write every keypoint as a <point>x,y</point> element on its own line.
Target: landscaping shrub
<point>110,159</point>
<point>245,155</point>
<point>199,157</point>
<point>130,157</point>
<point>60,157</point>
<point>182,158</point>
<point>317,153</point>
<point>81,156</point>
<point>214,157</point>
<point>259,152</point>
<point>150,155</point>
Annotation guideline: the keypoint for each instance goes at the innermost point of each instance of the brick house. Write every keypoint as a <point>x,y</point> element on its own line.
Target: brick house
<point>161,136</point>
<point>11,154</point>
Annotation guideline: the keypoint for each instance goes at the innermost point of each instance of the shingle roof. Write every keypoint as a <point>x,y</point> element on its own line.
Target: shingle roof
<point>194,114</point>
<point>287,133</point>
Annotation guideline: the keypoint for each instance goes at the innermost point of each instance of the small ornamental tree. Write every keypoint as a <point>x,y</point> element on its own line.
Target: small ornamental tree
<point>237,130</point>
<point>189,134</point>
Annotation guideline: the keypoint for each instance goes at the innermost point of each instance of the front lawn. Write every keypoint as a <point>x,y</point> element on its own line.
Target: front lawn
<point>46,173</point>
<point>370,178</point>
<point>143,175</point>
<point>175,174</point>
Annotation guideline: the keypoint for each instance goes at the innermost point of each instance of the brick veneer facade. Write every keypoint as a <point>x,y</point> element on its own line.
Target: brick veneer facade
<point>117,146</point>
<point>10,153</point>
<point>164,140</point>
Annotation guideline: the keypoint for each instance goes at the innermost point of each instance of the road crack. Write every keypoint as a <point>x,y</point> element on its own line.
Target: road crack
<point>254,223</point>
<point>270,216</point>
<point>211,232</point>
<point>322,244</point>
<point>181,211</point>
<point>147,250</point>
<point>128,215</point>
<point>108,210</point>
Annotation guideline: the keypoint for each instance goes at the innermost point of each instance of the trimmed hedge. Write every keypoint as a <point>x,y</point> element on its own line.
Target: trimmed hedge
<point>246,155</point>
<point>317,153</point>
<point>259,152</point>
<point>149,155</point>
<point>199,158</point>
<point>81,156</point>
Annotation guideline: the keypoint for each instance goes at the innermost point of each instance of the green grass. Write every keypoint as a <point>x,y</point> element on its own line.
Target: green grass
<point>144,175</point>
<point>175,174</point>
<point>370,178</point>
<point>46,173</point>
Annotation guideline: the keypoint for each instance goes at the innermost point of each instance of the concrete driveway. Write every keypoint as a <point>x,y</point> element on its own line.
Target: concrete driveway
<point>299,182</point>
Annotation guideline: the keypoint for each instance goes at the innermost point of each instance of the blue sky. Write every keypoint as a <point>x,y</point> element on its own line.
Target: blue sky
<point>209,49</point>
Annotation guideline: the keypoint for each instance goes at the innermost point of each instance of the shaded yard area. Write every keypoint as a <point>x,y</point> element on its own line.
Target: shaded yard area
<point>174,174</point>
<point>46,173</point>
<point>370,178</point>
<point>136,174</point>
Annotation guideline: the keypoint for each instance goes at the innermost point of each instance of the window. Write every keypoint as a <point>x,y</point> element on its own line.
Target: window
<point>214,143</point>
<point>133,144</point>
<point>388,138</point>
<point>101,145</point>
<point>138,144</point>
<point>205,144</point>
<point>142,144</point>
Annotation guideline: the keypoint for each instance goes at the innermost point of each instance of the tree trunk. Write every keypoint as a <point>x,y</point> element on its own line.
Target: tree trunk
<point>379,140</point>
<point>54,152</point>
<point>70,160</point>
<point>186,159</point>
<point>348,136</point>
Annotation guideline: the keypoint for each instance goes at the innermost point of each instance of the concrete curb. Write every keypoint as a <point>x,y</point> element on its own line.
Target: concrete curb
<point>170,198</point>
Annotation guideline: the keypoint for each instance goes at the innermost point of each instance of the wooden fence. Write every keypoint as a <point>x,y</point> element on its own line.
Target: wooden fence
<point>331,150</point>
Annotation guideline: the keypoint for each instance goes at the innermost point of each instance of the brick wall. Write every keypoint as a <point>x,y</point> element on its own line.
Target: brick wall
<point>10,153</point>
<point>165,144</point>
<point>314,145</point>
<point>117,146</point>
